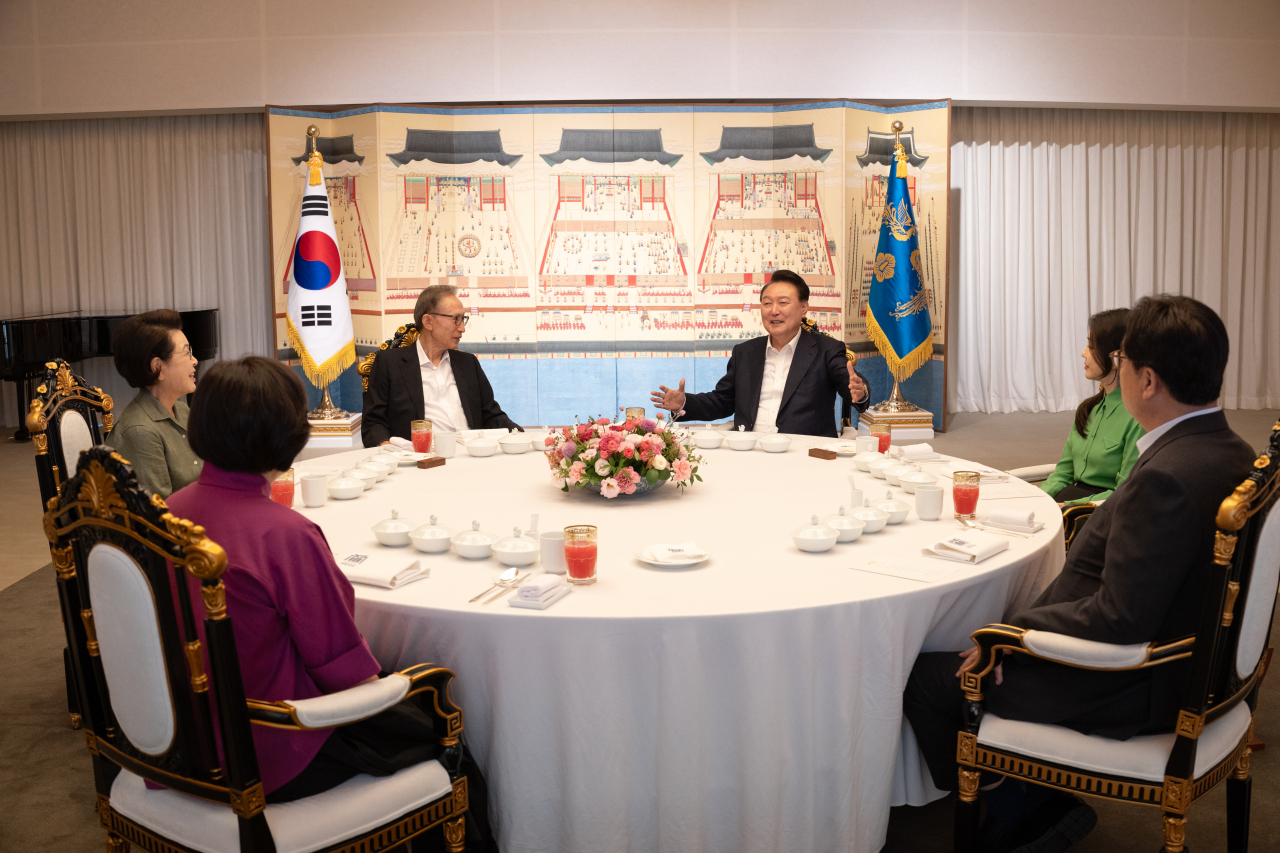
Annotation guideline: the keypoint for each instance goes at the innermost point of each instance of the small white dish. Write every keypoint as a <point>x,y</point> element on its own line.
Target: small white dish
<point>896,510</point>
<point>864,459</point>
<point>916,478</point>
<point>880,466</point>
<point>516,550</point>
<point>741,440</point>
<point>364,475</point>
<point>408,457</point>
<point>645,557</point>
<point>814,537</point>
<point>382,471</point>
<point>894,473</point>
<point>393,531</point>
<point>842,448</point>
<point>845,525</point>
<point>431,538</point>
<point>875,519</point>
<point>474,544</point>
<point>708,439</point>
<point>482,446</point>
<point>516,442</point>
<point>345,488</point>
<point>775,443</point>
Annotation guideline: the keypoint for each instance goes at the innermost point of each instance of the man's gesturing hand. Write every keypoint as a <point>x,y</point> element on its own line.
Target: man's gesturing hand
<point>671,399</point>
<point>857,388</point>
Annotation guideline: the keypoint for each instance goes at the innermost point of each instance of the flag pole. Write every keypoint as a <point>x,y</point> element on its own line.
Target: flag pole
<point>327,411</point>
<point>896,402</point>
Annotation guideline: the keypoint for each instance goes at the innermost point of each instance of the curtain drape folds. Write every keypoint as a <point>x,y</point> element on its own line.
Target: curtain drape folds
<point>1064,213</point>
<point>126,215</point>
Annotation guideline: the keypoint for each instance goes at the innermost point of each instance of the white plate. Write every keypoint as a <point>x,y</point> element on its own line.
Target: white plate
<point>842,448</point>
<point>408,457</point>
<point>643,557</point>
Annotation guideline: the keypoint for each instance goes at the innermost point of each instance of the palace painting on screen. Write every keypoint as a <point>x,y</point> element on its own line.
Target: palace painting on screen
<point>602,250</point>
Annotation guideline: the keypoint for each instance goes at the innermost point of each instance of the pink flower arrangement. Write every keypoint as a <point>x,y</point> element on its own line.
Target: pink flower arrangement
<point>616,459</point>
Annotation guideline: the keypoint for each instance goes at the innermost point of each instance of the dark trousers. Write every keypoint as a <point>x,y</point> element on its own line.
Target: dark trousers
<point>399,737</point>
<point>1113,704</point>
<point>1076,491</point>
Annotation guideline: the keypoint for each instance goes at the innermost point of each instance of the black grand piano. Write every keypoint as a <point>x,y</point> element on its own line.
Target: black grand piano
<point>27,343</point>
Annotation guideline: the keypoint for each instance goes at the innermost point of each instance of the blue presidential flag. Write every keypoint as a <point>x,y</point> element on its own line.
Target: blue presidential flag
<point>898,309</point>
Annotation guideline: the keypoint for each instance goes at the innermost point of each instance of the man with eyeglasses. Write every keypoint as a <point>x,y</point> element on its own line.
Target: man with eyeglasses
<point>432,380</point>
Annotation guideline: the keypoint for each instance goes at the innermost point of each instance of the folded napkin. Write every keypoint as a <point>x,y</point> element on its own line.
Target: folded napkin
<point>1012,517</point>
<point>913,451</point>
<point>541,603</point>
<point>389,571</point>
<point>682,553</point>
<point>967,547</point>
<point>989,475</point>
<point>402,443</point>
<point>539,587</point>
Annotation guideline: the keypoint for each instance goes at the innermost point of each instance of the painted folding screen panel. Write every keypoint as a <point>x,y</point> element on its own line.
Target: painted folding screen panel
<point>600,250</point>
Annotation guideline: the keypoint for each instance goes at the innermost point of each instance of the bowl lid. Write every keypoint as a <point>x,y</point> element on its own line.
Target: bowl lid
<point>431,530</point>
<point>474,536</point>
<point>870,512</point>
<point>514,437</point>
<point>814,530</point>
<point>843,521</point>
<point>515,543</point>
<point>394,524</point>
<point>345,482</point>
<point>919,477</point>
<point>868,456</point>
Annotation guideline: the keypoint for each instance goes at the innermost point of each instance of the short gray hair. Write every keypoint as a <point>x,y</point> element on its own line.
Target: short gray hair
<point>429,299</point>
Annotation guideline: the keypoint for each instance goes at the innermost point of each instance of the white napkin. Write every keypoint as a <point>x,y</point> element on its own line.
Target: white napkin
<point>681,553</point>
<point>989,475</point>
<point>389,571</point>
<point>913,451</point>
<point>540,587</point>
<point>968,546</point>
<point>1013,517</point>
<point>541,603</point>
<point>402,443</point>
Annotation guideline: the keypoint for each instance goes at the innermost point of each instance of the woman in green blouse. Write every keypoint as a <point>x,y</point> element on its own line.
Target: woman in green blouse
<point>153,355</point>
<point>1101,447</point>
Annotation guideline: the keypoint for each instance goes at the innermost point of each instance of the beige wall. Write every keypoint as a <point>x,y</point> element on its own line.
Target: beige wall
<point>92,56</point>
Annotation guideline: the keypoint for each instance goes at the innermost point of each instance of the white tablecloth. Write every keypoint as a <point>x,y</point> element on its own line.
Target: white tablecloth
<point>753,703</point>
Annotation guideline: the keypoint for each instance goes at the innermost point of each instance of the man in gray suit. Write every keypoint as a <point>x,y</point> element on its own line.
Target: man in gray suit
<point>1135,574</point>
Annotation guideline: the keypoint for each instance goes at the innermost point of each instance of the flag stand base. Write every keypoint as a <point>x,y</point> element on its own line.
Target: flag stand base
<point>327,411</point>
<point>906,421</point>
<point>896,403</point>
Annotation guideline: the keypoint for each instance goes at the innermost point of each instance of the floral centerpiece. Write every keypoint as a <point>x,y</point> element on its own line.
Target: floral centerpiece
<point>637,455</point>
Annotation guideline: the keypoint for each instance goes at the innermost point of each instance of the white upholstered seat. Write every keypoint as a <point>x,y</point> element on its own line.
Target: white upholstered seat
<point>73,432</point>
<point>1143,757</point>
<point>356,806</point>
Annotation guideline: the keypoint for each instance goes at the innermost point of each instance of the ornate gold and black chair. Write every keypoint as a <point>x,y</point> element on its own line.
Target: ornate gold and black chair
<point>151,688</point>
<point>405,336</point>
<point>1073,519</point>
<point>67,416</point>
<point>1215,726</point>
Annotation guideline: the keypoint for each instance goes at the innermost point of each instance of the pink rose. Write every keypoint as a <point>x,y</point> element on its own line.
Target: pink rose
<point>629,451</point>
<point>602,421</point>
<point>588,455</point>
<point>646,453</point>
<point>548,441</point>
<point>682,470</point>
<point>609,488</point>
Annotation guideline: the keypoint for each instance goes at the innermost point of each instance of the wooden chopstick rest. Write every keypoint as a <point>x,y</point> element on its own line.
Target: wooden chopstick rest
<point>816,452</point>
<point>433,462</point>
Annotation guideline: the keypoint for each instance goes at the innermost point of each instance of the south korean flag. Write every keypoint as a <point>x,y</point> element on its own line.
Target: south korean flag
<point>319,319</point>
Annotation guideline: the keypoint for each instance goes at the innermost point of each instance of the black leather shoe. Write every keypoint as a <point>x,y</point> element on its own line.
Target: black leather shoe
<point>1055,825</point>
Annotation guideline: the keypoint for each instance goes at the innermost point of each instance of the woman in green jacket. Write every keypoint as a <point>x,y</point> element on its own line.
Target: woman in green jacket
<point>1101,446</point>
<point>154,356</point>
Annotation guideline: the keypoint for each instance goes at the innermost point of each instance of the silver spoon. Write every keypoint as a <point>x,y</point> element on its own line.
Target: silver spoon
<point>503,579</point>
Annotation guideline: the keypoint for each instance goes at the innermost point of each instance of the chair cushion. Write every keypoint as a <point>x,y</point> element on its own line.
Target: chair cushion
<point>1143,757</point>
<point>354,703</point>
<point>73,432</point>
<point>355,807</point>
<point>1078,652</point>
<point>1256,619</point>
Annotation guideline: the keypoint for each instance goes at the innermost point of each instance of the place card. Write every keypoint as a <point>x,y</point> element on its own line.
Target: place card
<point>907,571</point>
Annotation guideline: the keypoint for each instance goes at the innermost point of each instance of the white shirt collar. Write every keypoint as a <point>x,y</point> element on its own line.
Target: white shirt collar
<point>788,347</point>
<point>1151,437</point>
<point>425,361</point>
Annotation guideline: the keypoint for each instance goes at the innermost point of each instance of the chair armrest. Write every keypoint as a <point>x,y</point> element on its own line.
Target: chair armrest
<point>1032,473</point>
<point>333,709</point>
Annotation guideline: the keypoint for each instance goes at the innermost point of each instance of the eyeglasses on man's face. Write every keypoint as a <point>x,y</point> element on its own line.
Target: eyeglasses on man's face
<point>1117,357</point>
<point>458,319</point>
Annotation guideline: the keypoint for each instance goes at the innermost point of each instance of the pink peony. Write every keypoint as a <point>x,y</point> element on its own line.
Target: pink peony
<point>588,455</point>
<point>576,472</point>
<point>609,488</point>
<point>629,451</point>
<point>682,470</point>
<point>602,421</point>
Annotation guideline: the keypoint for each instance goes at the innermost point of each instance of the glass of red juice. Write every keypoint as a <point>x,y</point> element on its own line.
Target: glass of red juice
<point>420,434</point>
<point>580,553</point>
<point>282,489</point>
<point>964,493</point>
<point>882,433</point>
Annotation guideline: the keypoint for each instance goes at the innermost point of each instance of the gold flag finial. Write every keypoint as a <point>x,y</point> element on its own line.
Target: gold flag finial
<point>315,161</point>
<point>899,153</point>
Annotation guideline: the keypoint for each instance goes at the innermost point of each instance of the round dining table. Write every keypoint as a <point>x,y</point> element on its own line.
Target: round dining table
<point>750,703</point>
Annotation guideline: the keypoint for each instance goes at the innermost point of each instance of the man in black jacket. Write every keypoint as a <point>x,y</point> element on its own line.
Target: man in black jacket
<point>1135,574</point>
<point>784,380</point>
<point>432,379</point>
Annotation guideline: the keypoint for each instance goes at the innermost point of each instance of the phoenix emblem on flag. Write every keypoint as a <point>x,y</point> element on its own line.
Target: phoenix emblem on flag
<point>899,220</point>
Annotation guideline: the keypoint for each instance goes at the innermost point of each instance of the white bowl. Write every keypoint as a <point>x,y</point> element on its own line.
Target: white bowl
<point>431,538</point>
<point>516,442</point>
<point>393,531</point>
<point>896,510</point>
<point>878,467</point>
<point>814,537</point>
<point>915,478</point>
<point>708,439</point>
<point>516,550</point>
<point>482,446</point>
<point>365,476</point>
<point>845,525</point>
<point>383,471</point>
<point>387,459</point>
<point>741,440</point>
<point>865,458</point>
<point>892,474</point>
<point>474,544</point>
<point>345,488</point>
<point>874,519</point>
<point>775,443</point>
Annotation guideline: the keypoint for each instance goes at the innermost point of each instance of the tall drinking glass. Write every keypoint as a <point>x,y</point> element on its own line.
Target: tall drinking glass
<point>964,493</point>
<point>420,434</point>
<point>282,489</point>
<point>883,434</point>
<point>635,413</point>
<point>580,553</point>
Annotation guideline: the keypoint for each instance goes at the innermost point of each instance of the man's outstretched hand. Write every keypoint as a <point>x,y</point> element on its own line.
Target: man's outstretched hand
<point>857,388</point>
<point>671,399</point>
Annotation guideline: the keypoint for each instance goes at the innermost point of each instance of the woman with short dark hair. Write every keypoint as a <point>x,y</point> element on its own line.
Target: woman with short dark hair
<point>1102,444</point>
<point>153,355</point>
<point>293,609</point>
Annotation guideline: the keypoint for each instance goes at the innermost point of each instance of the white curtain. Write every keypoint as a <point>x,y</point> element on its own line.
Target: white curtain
<point>1063,213</point>
<point>110,216</point>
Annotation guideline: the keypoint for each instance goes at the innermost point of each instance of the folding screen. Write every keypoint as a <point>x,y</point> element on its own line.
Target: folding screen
<point>603,250</point>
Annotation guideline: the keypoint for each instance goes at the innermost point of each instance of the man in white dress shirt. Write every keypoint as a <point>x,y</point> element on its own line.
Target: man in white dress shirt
<point>786,380</point>
<point>432,380</point>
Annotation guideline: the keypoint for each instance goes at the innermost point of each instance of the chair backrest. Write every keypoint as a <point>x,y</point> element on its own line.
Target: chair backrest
<point>405,336</point>
<point>846,409</point>
<point>67,416</point>
<point>146,683</point>
<point>1240,599</point>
